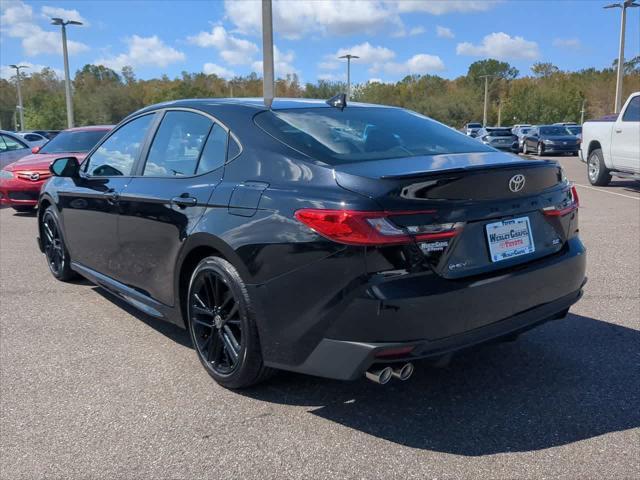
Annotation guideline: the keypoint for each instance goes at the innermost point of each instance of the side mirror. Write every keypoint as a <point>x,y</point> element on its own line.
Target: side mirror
<point>65,167</point>
<point>35,149</point>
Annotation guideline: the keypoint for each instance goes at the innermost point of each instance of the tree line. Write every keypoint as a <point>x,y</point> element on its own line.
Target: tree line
<point>545,95</point>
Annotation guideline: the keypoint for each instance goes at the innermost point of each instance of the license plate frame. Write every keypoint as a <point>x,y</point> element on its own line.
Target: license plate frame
<point>509,238</point>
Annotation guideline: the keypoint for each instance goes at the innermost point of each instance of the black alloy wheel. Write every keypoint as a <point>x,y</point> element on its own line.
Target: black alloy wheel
<point>222,326</point>
<point>54,248</point>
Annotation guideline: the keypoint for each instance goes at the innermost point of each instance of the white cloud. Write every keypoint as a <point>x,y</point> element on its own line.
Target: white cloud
<point>299,18</point>
<point>444,32</point>
<point>419,64</point>
<point>53,12</point>
<point>367,53</point>
<point>17,21</point>
<point>213,69</point>
<point>329,65</point>
<point>144,51</point>
<point>233,50</point>
<point>403,32</point>
<point>332,77</point>
<point>440,7</point>
<point>282,63</point>
<point>502,47</point>
<point>569,43</point>
<point>7,72</point>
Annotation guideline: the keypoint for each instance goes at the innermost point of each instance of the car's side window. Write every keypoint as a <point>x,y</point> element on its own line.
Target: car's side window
<point>118,153</point>
<point>632,113</point>
<point>177,144</point>
<point>11,143</point>
<point>214,154</point>
<point>234,148</point>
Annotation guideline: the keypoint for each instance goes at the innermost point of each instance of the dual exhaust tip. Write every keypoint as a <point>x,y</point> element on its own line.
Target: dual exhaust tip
<point>383,375</point>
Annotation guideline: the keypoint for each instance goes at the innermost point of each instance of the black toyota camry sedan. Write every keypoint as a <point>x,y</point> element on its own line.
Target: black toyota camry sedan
<point>330,239</point>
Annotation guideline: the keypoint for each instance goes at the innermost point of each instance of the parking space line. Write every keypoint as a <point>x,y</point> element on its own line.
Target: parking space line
<point>606,191</point>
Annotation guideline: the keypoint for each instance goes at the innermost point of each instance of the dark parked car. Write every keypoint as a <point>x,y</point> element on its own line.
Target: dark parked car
<point>499,137</point>
<point>47,133</point>
<point>549,139</point>
<point>330,241</point>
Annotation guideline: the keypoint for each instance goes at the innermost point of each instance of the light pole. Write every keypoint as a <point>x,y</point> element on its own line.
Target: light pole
<point>486,97</point>
<point>348,56</point>
<point>20,107</point>
<point>582,112</point>
<point>623,24</point>
<point>65,54</point>
<point>268,80</point>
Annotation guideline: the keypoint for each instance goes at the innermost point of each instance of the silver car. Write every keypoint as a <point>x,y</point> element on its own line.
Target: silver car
<point>12,148</point>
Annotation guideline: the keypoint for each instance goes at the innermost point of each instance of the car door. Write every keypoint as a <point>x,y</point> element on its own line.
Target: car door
<point>11,150</point>
<point>531,139</point>
<point>163,202</point>
<point>89,204</point>
<point>625,138</point>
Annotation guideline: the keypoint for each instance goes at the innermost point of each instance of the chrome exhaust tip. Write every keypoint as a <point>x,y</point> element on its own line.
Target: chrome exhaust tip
<point>404,372</point>
<point>380,376</point>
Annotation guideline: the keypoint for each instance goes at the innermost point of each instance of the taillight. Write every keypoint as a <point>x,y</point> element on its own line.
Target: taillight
<point>572,203</point>
<point>371,228</point>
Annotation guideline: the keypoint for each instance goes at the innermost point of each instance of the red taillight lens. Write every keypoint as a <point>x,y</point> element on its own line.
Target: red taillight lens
<point>369,228</point>
<point>559,211</point>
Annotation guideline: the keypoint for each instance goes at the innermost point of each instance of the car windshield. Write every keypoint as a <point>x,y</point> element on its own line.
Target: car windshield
<point>524,131</point>
<point>500,133</point>
<point>553,131</point>
<point>474,125</point>
<point>574,130</point>
<point>75,141</point>
<point>358,134</point>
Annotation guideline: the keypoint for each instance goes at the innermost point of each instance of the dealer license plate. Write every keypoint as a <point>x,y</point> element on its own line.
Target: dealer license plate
<point>510,238</point>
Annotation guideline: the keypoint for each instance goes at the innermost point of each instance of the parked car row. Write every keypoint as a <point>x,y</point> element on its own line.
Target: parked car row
<point>22,180</point>
<point>559,138</point>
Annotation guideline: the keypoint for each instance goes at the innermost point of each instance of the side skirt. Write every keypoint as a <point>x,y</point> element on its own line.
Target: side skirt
<point>138,300</point>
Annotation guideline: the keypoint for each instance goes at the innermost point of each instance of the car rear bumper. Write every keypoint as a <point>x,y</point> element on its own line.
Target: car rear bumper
<point>348,360</point>
<point>424,310</point>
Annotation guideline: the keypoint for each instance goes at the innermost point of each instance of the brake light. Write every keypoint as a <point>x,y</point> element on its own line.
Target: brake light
<point>568,207</point>
<point>371,228</point>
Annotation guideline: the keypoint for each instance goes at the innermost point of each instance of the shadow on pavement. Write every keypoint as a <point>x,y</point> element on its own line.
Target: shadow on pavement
<point>627,185</point>
<point>569,380</point>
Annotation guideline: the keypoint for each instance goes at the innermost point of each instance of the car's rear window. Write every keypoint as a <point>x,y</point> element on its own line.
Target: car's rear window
<point>358,134</point>
<point>77,141</point>
<point>500,133</point>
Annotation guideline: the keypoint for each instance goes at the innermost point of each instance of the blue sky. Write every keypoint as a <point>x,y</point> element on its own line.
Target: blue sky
<point>393,38</point>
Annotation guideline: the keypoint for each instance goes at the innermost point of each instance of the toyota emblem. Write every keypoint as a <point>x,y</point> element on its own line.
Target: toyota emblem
<point>516,183</point>
<point>34,176</point>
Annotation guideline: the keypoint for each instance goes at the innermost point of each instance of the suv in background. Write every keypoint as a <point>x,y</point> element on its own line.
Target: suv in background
<point>500,138</point>
<point>471,129</point>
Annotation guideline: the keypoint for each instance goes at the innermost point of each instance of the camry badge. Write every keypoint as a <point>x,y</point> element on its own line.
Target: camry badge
<point>516,183</point>
<point>34,176</point>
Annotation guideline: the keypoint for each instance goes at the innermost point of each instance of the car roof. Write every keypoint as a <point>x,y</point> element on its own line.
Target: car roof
<point>89,128</point>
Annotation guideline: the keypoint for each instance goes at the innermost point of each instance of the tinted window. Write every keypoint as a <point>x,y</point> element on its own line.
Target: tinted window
<point>74,141</point>
<point>574,130</point>
<point>500,133</point>
<point>31,137</point>
<point>10,143</point>
<point>120,151</point>
<point>632,113</point>
<point>358,134</point>
<point>234,149</point>
<point>177,144</point>
<point>215,150</point>
<point>553,131</point>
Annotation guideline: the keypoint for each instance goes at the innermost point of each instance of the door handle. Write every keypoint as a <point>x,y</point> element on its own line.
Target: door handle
<point>184,201</point>
<point>618,130</point>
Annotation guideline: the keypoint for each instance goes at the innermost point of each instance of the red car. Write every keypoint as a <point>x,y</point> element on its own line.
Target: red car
<point>20,182</point>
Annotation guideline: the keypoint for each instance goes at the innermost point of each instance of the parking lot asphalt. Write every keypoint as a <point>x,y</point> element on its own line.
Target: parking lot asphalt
<point>89,388</point>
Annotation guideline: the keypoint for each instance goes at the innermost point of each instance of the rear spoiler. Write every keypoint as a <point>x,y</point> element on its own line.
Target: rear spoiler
<point>528,164</point>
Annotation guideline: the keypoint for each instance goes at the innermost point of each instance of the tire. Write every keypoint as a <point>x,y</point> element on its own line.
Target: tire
<point>524,148</point>
<point>222,325</point>
<point>24,208</point>
<point>597,171</point>
<point>540,150</point>
<point>54,247</point>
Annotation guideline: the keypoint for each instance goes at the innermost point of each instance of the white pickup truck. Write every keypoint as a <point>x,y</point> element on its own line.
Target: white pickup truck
<point>611,145</point>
